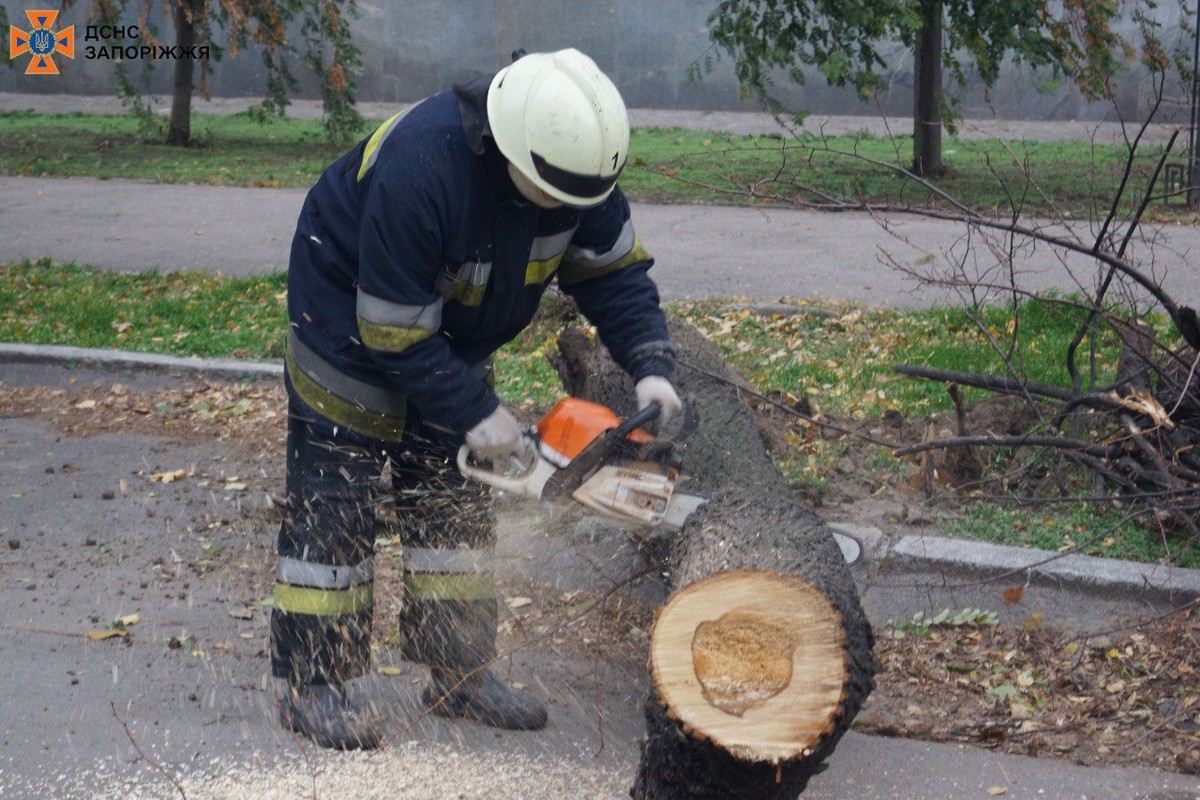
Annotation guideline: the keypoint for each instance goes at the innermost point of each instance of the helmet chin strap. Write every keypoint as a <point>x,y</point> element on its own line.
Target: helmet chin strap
<point>529,191</point>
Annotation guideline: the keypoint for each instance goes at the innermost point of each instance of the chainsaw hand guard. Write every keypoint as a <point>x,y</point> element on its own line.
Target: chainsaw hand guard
<point>529,480</point>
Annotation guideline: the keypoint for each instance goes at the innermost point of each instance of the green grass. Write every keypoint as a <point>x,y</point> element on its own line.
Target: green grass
<point>1077,527</point>
<point>185,313</point>
<point>1076,178</point>
<point>228,151</point>
<point>666,166</point>
<point>844,357</point>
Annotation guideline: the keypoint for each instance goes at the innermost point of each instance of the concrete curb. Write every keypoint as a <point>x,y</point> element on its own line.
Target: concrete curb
<point>1085,574</point>
<point>58,355</point>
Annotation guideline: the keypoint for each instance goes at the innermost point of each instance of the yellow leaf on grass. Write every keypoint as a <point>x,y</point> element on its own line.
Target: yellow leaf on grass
<point>107,633</point>
<point>389,670</point>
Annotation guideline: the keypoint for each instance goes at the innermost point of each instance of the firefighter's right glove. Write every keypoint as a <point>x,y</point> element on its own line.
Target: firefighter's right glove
<point>498,439</point>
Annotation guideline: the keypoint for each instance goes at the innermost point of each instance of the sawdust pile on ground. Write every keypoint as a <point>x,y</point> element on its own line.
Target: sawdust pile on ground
<point>406,771</point>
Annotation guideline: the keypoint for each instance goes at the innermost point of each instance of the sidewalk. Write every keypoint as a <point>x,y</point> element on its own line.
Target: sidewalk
<point>700,251</point>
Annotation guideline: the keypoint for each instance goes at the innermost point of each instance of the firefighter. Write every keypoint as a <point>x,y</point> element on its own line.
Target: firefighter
<point>416,256</point>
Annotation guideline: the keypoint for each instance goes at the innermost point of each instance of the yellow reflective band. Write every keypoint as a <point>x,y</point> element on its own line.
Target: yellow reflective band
<point>540,271</point>
<point>343,412</point>
<point>371,151</point>
<point>323,602</point>
<point>574,274</point>
<point>390,338</point>
<point>466,293</point>
<point>455,586</point>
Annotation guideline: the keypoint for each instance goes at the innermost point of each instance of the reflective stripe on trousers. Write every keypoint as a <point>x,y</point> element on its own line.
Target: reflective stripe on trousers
<point>324,591</point>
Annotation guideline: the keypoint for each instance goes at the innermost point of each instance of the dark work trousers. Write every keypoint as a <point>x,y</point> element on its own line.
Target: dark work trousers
<point>337,483</point>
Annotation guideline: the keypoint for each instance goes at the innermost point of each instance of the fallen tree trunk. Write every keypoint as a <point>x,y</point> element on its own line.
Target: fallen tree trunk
<point>762,656</point>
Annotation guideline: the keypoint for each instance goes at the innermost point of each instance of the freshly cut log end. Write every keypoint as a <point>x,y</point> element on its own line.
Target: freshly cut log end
<point>754,662</point>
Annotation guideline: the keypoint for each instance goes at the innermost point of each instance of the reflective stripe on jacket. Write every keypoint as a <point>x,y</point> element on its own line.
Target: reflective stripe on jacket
<point>415,258</point>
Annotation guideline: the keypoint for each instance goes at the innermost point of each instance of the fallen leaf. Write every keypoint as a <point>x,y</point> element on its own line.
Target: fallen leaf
<point>389,670</point>
<point>995,791</point>
<point>168,476</point>
<point>129,620</point>
<point>86,404</point>
<point>107,633</point>
<point>518,602</point>
<point>1012,595</point>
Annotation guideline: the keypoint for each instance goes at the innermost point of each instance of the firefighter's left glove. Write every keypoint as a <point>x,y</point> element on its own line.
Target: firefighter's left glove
<point>657,388</point>
<point>498,439</point>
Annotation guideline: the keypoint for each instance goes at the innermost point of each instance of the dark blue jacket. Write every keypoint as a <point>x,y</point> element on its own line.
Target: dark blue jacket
<point>415,258</point>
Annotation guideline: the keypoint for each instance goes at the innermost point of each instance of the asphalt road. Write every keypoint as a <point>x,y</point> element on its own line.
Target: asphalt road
<point>701,251</point>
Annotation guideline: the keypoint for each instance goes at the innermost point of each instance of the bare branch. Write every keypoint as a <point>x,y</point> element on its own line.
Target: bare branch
<point>992,440</point>
<point>141,754</point>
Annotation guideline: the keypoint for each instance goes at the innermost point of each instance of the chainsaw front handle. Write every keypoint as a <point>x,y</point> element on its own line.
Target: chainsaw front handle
<point>528,483</point>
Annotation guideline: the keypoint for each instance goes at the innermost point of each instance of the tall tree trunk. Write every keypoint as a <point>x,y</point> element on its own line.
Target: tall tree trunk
<point>927,96</point>
<point>180,132</point>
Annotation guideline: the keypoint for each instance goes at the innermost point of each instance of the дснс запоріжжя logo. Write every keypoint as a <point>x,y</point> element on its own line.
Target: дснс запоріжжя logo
<point>42,42</point>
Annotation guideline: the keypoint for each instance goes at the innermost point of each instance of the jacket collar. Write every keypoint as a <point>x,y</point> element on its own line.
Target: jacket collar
<point>472,107</point>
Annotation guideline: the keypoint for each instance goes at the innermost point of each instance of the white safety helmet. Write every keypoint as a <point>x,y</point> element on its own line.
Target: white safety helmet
<point>562,124</point>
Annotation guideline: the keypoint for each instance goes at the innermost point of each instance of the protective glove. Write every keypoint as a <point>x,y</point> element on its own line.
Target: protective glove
<point>656,387</point>
<point>498,438</point>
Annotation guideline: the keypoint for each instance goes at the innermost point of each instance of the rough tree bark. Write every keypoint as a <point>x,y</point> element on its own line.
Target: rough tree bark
<point>927,94</point>
<point>752,529</point>
<point>180,132</point>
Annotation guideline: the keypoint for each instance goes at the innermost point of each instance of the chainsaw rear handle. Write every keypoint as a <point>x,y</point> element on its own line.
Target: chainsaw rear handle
<point>529,482</point>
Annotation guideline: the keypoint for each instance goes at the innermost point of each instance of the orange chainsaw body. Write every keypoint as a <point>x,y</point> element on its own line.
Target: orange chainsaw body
<point>573,424</point>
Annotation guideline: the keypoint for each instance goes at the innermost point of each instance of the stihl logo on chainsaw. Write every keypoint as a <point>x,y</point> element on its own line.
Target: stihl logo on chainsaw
<point>585,451</point>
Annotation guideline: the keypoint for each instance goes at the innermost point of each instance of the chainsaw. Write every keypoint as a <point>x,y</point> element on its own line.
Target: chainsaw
<point>584,451</point>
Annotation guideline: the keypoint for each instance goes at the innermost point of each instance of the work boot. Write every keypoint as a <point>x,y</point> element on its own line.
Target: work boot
<point>324,713</point>
<point>481,696</point>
